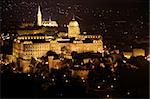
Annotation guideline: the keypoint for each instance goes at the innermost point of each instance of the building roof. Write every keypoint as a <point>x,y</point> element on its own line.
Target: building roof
<point>73,23</point>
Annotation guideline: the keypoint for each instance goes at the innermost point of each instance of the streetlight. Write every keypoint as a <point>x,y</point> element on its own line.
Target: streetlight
<point>128,93</point>
<point>112,86</point>
<point>103,80</point>
<point>114,78</point>
<point>107,96</point>
<point>66,81</point>
<point>64,75</point>
<point>53,79</point>
<point>43,77</point>
<point>83,80</point>
<point>28,75</point>
<point>98,87</point>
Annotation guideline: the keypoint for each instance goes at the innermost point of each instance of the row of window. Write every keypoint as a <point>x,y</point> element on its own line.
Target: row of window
<point>30,37</point>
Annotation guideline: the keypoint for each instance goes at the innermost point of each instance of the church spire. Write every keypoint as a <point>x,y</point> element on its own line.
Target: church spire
<point>50,19</point>
<point>39,16</point>
<point>73,17</point>
<point>39,10</point>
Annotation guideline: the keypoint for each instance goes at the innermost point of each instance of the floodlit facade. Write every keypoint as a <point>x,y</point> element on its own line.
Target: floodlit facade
<point>27,49</point>
<point>135,52</point>
<point>81,73</point>
<point>54,63</point>
<point>127,54</point>
<point>138,52</point>
<point>28,45</point>
<point>73,28</point>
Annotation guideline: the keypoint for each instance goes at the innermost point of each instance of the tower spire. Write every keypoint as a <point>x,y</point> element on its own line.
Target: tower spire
<point>50,19</point>
<point>39,16</point>
<point>39,9</point>
<point>73,17</point>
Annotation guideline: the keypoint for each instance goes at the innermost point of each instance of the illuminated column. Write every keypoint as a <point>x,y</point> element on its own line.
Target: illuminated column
<point>39,17</point>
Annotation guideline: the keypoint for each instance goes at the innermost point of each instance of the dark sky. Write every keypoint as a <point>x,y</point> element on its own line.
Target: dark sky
<point>108,3</point>
<point>25,10</point>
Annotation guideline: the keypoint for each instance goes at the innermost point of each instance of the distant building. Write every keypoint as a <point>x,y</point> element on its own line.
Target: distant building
<point>138,52</point>
<point>127,54</point>
<point>54,63</point>
<point>80,73</point>
<point>135,52</point>
<point>23,25</point>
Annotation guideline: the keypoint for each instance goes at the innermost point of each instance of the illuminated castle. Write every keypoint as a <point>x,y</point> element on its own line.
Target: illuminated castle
<point>34,43</point>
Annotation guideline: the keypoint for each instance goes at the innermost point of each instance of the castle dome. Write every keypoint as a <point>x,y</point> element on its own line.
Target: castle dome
<point>74,23</point>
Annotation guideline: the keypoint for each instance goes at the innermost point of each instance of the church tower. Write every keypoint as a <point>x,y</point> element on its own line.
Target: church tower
<point>39,17</point>
<point>73,28</point>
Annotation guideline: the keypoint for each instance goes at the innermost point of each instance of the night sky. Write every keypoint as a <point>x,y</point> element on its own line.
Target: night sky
<point>91,13</point>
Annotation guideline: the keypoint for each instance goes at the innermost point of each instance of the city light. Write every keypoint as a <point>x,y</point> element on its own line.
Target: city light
<point>46,62</point>
<point>43,77</point>
<point>83,80</point>
<point>66,81</point>
<point>115,79</point>
<point>112,86</point>
<point>14,69</point>
<point>29,75</point>
<point>42,74</point>
<point>124,61</point>
<point>148,58</point>
<point>70,48</point>
<point>98,87</point>
<point>103,80</point>
<point>107,96</point>
<point>57,67</point>
<point>53,79</point>
<point>128,93</point>
<point>64,75</point>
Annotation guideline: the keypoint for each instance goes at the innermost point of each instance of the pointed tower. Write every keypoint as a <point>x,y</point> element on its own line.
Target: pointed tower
<point>50,19</point>
<point>73,17</point>
<point>39,17</point>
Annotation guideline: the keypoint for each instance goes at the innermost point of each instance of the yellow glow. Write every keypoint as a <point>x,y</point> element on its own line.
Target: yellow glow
<point>138,52</point>
<point>24,47</point>
<point>127,54</point>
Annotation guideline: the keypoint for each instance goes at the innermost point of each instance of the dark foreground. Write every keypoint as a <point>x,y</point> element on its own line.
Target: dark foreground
<point>28,86</point>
